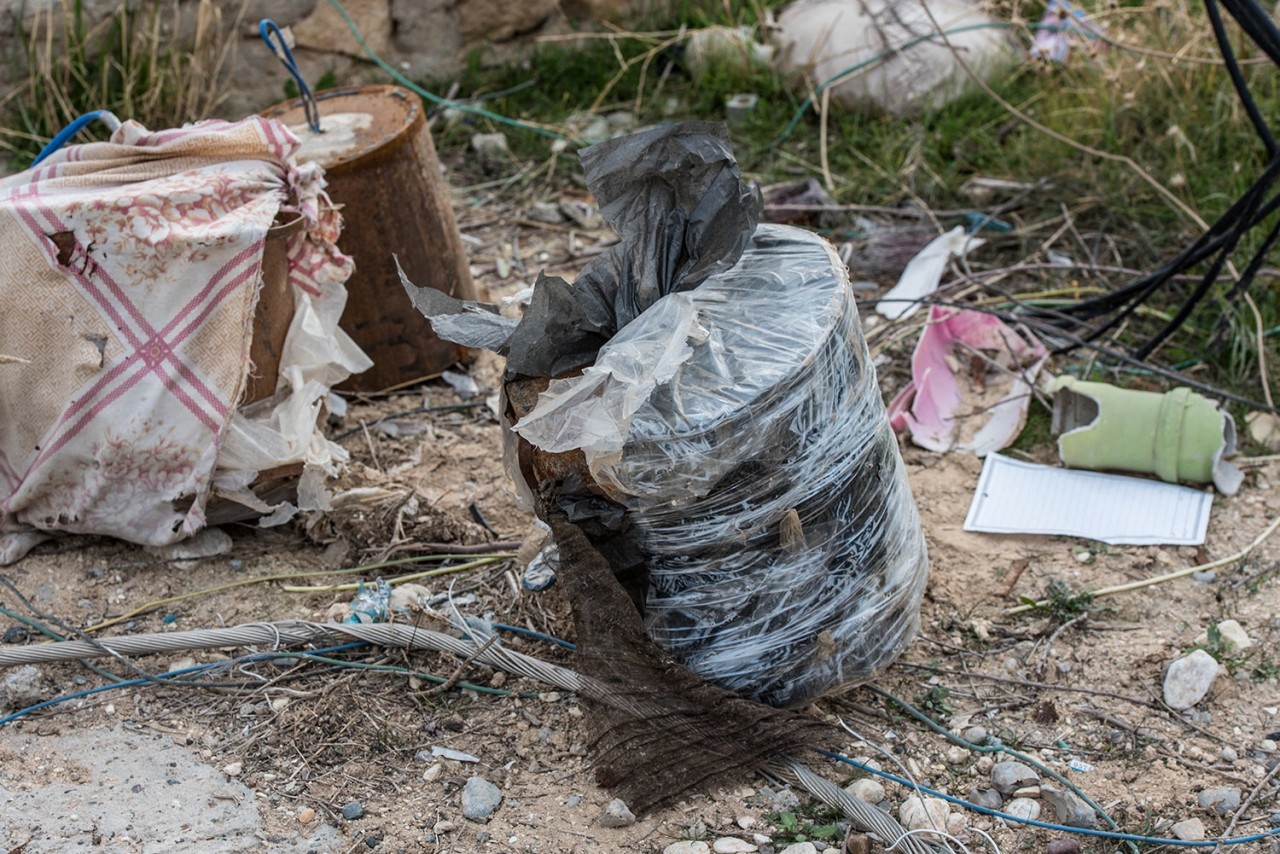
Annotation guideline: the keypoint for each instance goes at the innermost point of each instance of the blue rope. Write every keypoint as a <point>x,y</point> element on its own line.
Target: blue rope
<point>267,28</point>
<point>530,633</point>
<point>64,136</point>
<point>1083,831</point>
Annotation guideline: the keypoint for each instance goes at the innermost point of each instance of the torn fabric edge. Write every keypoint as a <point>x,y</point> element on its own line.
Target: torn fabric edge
<point>924,272</point>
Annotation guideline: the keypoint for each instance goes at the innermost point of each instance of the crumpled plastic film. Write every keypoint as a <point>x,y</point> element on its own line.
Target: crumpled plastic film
<point>784,551</point>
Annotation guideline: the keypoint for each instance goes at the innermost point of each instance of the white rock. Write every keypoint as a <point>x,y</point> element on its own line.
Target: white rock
<point>866,789</point>
<point>616,814</point>
<point>687,848</point>
<point>234,769</point>
<point>1229,754</point>
<point>1023,808</point>
<point>1267,745</point>
<point>761,839</point>
<point>1027,792</point>
<point>745,822</point>
<point>732,845</point>
<point>1190,830</point>
<point>1189,679</point>
<point>957,755</point>
<point>956,824</point>
<point>1234,637</point>
<point>800,848</point>
<point>929,814</point>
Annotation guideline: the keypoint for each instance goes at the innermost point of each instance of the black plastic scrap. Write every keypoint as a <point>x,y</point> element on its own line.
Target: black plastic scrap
<point>675,197</point>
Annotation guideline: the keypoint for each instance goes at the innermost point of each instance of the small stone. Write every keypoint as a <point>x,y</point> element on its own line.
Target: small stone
<point>441,827</point>
<point>975,735</point>
<point>233,769</point>
<point>687,847</point>
<point>20,687</point>
<point>1222,801</point>
<point>433,773</point>
<point>1063,846</point>
<point>1070,809</point>
<point>479,799</point>
<point>1007,777</point>
<point>306,815</point>
<point>926,814</point>
<point>482,836</point>
<point>15,634</point>
<point>988,798</point>
<point>784,800</point>
<point>1027,792</point>
<point>352,811</point>
<point>1267,745</point>
<point>956,824</point>
<point>1189,679</point>
<point>573,801</point>
<point>1229,754</point>
<point>1233,635</point>
<point>800,848</point>
<point>745,822</point>
<point>957,755</point>
<point>616,814</point>
<point>1024,808</point>
<point>1190,830</point>
<point>732,845</point>
<point>867,789</point>
<point>109,708</point>
<point>761,839</point>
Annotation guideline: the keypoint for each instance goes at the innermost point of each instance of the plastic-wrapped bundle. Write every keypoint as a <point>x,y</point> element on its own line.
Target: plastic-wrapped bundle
<point>716,391</point>
<point>784,552</point>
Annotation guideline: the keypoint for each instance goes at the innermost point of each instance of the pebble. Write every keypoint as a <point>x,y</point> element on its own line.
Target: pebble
<point>1190,830</point>
<point>1234,637</point>
<point>20,687</point>
<point>800,848</point>
<point>1063,846</point>
<point>1204,577</point>
<point>866,789</point>
<point>1069,807</point>
<point>479,799</point>
<point>975,735</point>
<point>1023,808</point>
<point>988,798</point>
<point>956,824</point>
<point>926,814</point>
<point>784,800</point>
<point>15,634</point>
<point>745,822</point>
<point>616,814</point>
<point>1027,792</point>
<point>957,755</point>
<point>732,845</point>
<point>1189,679</point>
<point>761,839</point>
<point>573,801</point>
<point>687,848</point>
<point>433,772</point>
<point>1229,754</point>
<point>352,811</point>
<point>233,769</point>
<point>1222,801</point>
<point>1267,745</point>
<point>306,815</point>
<point>1009,776</point>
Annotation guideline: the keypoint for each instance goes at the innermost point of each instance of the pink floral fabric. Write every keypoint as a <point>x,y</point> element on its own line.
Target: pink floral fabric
<point>130,275</point>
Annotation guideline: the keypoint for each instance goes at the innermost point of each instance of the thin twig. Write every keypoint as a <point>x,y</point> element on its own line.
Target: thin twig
<point>461,668</point>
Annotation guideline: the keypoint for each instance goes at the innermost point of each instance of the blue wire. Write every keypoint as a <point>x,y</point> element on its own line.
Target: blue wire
<point>267,28</point>
<point>65,135</point>
<point>532,634</point>
<point>129,683</point>
<point>1084,831</point>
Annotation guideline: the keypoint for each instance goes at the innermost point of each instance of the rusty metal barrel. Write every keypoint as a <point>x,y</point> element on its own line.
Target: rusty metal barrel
<point>381,167</point>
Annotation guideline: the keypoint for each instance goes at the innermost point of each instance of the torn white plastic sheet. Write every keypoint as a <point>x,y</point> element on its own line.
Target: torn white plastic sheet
<point>924,272</point>
<point>1014,497</point>
<point>971,383</point>
<point>131,277</point>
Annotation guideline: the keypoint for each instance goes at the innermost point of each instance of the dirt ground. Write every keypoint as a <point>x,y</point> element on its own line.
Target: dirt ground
<point>314,737</point>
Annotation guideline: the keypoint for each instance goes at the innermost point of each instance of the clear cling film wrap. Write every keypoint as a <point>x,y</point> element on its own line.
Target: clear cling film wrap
<point>714,426</point>
<point>741,426</point>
